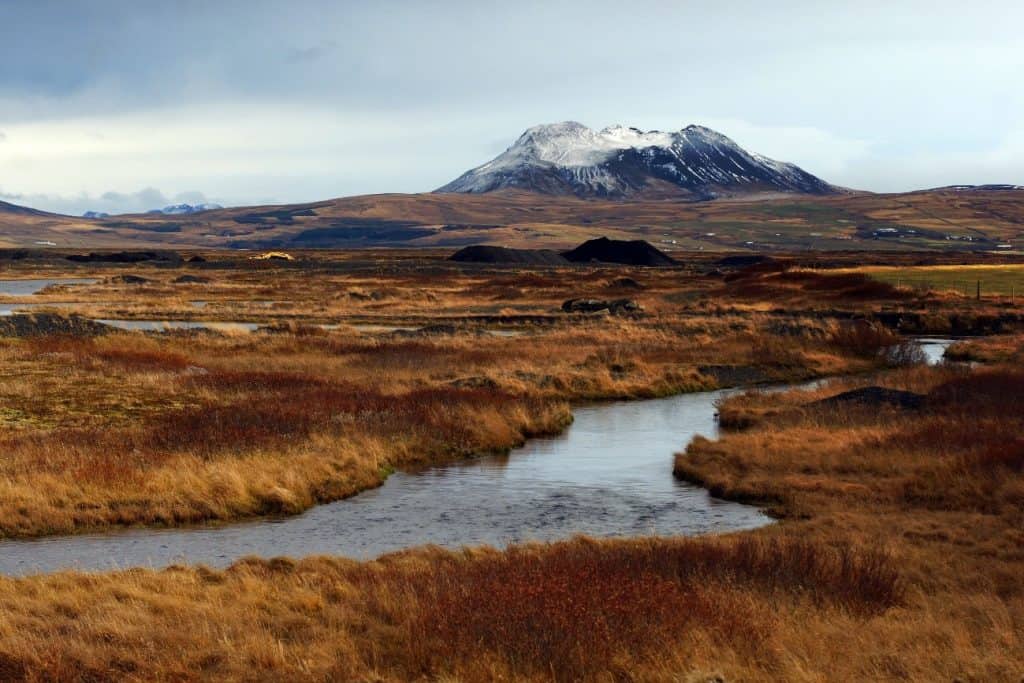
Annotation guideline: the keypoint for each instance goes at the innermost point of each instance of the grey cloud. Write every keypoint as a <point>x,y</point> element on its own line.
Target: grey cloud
<point>916,79</point>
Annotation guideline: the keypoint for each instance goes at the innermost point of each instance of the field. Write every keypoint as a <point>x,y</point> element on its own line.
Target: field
<point>1004,281</point>
<point>897,555</point>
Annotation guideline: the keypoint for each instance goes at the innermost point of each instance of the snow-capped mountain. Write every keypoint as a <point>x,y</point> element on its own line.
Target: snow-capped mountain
<point>179,209</point>
<point>569,158</point>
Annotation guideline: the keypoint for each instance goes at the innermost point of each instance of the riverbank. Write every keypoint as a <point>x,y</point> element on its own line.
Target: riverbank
<point>936,483</point>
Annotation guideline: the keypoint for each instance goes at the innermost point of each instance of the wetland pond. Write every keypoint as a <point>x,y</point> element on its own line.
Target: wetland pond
<point>608,474</point>
<point>30,287</point>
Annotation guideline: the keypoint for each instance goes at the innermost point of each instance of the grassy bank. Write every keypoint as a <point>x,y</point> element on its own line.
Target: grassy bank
<point>939,487</point>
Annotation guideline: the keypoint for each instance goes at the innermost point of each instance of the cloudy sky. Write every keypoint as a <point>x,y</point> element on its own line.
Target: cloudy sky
<point>126,106</point>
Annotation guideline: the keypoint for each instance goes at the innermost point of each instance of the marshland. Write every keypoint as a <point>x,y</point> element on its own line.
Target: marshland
<point>348,388</point>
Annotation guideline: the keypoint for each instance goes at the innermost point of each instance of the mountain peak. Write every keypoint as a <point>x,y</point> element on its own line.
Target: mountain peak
<point>622,161</point>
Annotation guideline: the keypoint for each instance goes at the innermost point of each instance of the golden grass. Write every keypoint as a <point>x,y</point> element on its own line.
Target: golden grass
<point>643,609</point>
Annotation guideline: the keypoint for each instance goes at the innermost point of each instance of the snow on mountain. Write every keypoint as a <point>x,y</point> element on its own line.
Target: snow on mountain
<point>180,209</point>
<point>569,158</point>
<point>998,187</point>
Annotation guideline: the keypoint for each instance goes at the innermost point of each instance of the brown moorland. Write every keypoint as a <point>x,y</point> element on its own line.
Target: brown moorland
<point>898,555</point>
<point>943,220</point>
<point>353,373</point>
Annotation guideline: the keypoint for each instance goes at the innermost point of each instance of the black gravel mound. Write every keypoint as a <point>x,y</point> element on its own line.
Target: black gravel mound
<point>631,253</point>
<point>123,257</point>
<point>480,253</point>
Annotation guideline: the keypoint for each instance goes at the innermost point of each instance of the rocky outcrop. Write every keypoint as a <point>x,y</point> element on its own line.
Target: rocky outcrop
<point>38,324</point>
<point>130,280</point>
<point>613,306</point>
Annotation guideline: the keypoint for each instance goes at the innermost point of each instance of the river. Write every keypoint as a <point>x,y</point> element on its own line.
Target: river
<point>609,474</point>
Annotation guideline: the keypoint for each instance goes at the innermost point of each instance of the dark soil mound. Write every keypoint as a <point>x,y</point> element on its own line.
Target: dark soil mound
<point>190,279</point>
<point>742,260</point>
<point>481,253</point>
<point>123,257</point>
<point>632,253</point>
<point>873,396</point>
<point>37,324</point>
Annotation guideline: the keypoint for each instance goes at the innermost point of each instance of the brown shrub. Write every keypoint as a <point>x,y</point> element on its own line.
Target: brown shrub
<point>849,286</point>
<point>863,338</point>
<point>273,409</point>
<point>568,610</point>
<point>86,350</point>
<point>996,391</point>
<point>60,344</point>
<point>145,359</point>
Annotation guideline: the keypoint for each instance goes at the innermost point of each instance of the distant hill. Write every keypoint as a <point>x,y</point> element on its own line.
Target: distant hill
<point>15,210</point>
<point>617,162</point>
<point>955,219</point>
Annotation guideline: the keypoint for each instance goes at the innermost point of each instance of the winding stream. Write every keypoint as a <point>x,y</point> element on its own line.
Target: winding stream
<point>608,474</point>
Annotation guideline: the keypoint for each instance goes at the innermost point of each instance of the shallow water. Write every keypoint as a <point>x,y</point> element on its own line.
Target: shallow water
<point>934,348</point>
<point>608,474</point>
<point>29,287</point>
<point>162,325</point>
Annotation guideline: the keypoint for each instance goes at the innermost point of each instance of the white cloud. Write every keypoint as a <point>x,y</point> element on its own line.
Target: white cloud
<point>1002,161</point>
<point>110,202</point>
<point>238,153</point>
<point>815,150</point>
